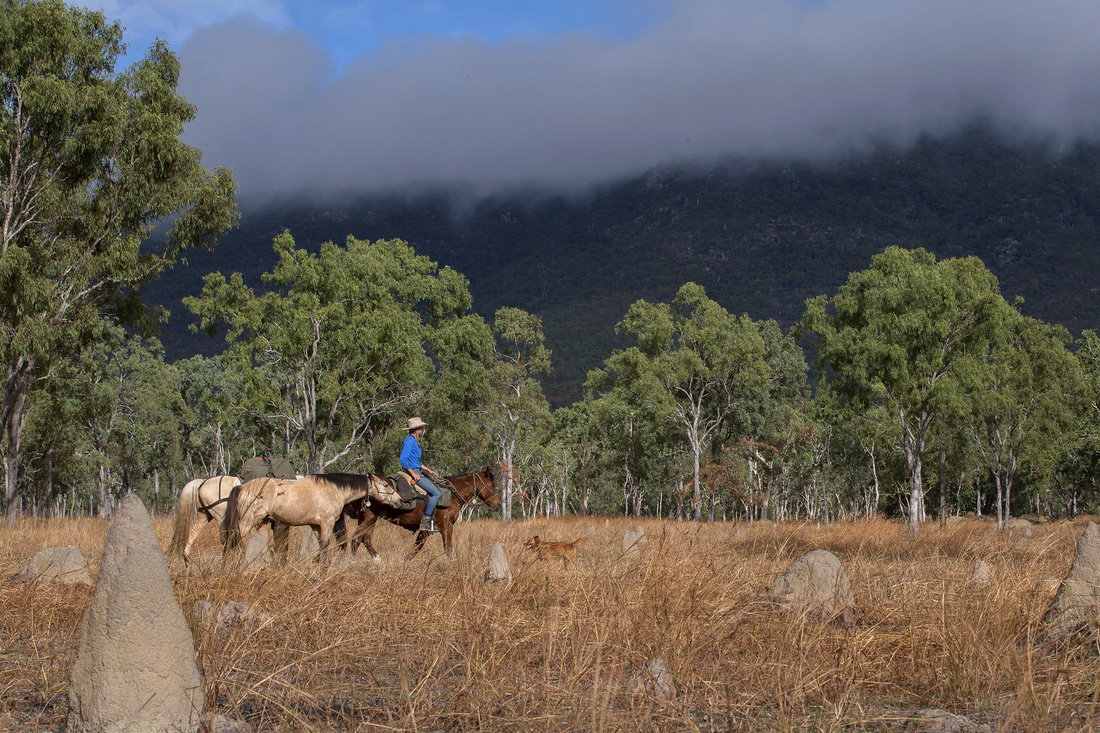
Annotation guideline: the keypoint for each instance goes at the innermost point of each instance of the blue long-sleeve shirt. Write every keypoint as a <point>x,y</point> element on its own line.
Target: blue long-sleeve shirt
<point>410,454</point>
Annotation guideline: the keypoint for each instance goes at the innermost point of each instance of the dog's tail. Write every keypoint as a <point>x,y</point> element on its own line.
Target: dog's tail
<point>577,542</point>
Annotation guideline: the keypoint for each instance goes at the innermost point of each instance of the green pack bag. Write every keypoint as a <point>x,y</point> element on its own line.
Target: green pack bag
<point>266,467</point>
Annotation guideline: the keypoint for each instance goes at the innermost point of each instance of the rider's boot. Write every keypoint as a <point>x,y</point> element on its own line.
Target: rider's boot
<point>427,523</point>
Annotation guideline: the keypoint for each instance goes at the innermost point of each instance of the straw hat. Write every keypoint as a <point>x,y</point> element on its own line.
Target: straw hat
<point>416,422</point>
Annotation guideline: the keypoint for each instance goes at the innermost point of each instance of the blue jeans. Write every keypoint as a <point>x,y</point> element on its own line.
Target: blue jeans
<point>434,494</point>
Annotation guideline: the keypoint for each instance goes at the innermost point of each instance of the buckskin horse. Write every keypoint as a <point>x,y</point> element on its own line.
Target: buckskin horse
<point>208,497</point>
<point>464,489</point>
<point>317,501</point>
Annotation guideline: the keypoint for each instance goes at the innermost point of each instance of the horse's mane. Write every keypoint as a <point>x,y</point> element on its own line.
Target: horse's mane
<point>352,481</point>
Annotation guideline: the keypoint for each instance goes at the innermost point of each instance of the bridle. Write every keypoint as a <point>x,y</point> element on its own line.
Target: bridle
<point>492,482</point>
<point>476,493</point>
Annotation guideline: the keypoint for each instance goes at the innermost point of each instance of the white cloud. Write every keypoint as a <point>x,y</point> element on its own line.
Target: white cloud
<point>716,77</point>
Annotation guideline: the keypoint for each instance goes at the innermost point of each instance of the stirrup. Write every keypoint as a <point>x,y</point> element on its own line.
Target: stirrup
<point>429,525</point>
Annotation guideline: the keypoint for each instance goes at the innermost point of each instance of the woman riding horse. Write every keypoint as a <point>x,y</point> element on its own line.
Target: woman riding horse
<point>464,488</point>
<point>410,461</point>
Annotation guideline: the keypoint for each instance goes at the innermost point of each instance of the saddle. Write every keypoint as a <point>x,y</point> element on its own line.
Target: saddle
<point>410,493</point>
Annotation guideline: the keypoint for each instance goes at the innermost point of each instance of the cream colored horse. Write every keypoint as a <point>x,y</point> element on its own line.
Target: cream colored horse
<point>317,501</point>
<point>205,498</point>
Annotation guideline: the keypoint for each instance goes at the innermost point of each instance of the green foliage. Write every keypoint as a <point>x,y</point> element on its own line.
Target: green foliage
<point>516,409</point>
<point>93,161</point>
<point>1023,392</point>
<point>699,371</point>
<point>106,424</point>
<point>895,336</point>
<point>346,342</point>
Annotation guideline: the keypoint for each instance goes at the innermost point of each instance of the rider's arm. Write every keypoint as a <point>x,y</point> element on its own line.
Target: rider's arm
<point>407,459</point>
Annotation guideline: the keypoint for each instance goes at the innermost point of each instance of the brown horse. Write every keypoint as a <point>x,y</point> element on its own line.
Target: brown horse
<point>466,488</point>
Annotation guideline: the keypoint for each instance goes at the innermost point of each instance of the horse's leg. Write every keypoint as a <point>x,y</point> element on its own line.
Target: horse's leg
<point>193,534</point>
<point>364,532</point>
<point>281,541</point>
<point>238,543</point>
<point>418,544</point>
<point>446,530</point>
<point>325,539</point>
<point>340,531</point>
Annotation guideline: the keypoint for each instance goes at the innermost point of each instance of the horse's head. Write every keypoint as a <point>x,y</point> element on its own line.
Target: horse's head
<point>487,488</point>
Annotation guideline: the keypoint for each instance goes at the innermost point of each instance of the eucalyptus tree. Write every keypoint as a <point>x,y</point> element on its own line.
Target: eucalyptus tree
<point>1023,392</point>
<point>893,335</point>
<point>1070,465</point>
<point>577,429</point>
<point>516,401</point>
<point>694,364</point>
<point>107,423</point>
<point>633,441</point>
<point>859,446</point>
<point>215,429</point>
<point>149,438</point>
<point>772,427</point>
<point>345,342</point>
<point>90,161</point>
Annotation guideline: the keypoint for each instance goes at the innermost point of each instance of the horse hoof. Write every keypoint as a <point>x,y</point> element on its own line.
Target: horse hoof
<point>377,560</point>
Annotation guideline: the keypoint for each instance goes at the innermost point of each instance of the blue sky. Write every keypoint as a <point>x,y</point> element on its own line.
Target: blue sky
<point>349,28</point>
<point>336,97</point>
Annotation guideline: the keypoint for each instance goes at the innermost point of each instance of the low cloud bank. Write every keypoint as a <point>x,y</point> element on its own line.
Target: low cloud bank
<point>751,78</point>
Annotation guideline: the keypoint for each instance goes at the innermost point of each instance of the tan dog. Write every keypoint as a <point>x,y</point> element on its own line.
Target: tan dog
<point>544,550</point>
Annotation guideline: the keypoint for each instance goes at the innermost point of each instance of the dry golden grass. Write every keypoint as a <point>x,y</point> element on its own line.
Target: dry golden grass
<point>427,645</point>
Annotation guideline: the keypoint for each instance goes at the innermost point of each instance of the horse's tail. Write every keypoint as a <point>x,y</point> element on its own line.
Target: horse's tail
<point>231,536</point>
<point>241,499</point>
<point>185,515</point>
<point>229,517</point>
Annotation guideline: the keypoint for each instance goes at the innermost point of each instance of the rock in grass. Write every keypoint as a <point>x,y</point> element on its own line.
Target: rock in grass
<point>980,577</point>
<point>498,570</point>
<point>309,548</point>
<point>941,721</point>
<point>135,668</point>
<point>257,553</point>
<point>633,542</point>
<point>228,615</point>
<point>1076,607</point>
<point>654,680</point>
<point>223,724</point>
<point>64,565</point>
<point>815,585</point>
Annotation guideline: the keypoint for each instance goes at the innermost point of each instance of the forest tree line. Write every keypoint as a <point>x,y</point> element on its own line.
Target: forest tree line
<point>936,396</point>
<point>931,393</point>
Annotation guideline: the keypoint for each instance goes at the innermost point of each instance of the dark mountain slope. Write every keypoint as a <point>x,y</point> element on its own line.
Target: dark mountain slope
<point>760,238</point>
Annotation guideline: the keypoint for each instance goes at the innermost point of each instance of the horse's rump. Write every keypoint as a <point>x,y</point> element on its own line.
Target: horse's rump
<point>185,512</point>
<point>200,495</point>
